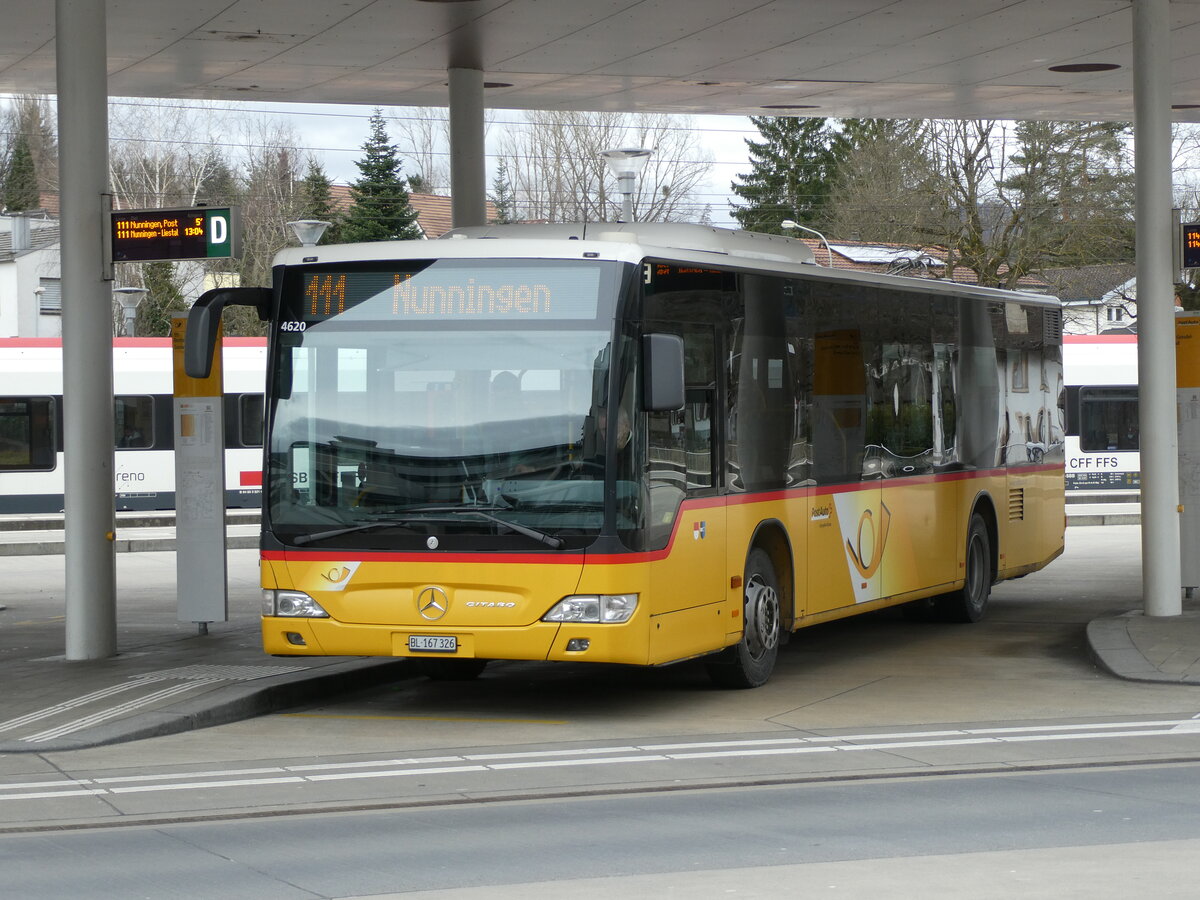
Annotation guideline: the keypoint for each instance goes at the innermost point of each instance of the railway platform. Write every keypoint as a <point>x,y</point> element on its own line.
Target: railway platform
<point>167,677</point>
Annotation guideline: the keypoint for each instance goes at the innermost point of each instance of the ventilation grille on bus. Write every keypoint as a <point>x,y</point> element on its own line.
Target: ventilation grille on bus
<point>1052,326</point>
<point>1016,504</point>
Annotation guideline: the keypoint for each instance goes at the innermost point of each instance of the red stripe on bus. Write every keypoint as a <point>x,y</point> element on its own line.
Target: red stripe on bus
<point>633,556</point>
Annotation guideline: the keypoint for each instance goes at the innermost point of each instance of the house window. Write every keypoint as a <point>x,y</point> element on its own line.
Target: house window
<point>1115,314</point>
<point>49,291</point>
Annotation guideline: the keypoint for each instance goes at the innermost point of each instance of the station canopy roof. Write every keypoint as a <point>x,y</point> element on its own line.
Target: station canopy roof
<point>885,58</point>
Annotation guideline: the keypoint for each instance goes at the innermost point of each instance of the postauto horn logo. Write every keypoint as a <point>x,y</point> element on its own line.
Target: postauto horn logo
<point>864,537</point>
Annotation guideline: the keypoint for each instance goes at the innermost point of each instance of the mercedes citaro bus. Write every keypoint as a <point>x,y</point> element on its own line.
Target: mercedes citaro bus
<point>638,444</point>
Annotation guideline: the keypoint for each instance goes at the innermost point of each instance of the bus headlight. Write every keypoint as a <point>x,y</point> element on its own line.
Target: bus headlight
<point>602,609</point>
<point>291,604</point>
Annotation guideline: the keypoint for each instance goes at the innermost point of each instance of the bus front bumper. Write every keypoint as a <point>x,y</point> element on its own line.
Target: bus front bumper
<point>624,643</point>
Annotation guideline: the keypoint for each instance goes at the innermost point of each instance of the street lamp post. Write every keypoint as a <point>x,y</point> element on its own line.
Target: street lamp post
<point>626,164</point>
<point>308,231</point>
<point>129,298</point>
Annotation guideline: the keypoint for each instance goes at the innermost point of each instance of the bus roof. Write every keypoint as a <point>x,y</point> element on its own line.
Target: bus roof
<point>702,245</point>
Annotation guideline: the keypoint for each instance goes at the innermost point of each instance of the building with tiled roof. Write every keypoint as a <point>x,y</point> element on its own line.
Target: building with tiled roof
<point>913,260</point>
<point>1096,299</point>
<point>434,215</point>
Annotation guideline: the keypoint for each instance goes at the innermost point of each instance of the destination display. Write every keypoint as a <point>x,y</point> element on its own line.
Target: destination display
<point>147,235</point>
<point>447,293</point>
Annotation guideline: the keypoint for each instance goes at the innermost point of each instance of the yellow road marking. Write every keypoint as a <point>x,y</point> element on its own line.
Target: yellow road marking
<point>41,621</point>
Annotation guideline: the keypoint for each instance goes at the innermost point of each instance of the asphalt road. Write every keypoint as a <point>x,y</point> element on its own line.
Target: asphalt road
<point>1108,832</point>
<point>885,754</point>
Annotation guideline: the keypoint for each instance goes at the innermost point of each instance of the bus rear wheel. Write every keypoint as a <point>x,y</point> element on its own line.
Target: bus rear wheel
<point>970,603</point>
<point>749,663</point>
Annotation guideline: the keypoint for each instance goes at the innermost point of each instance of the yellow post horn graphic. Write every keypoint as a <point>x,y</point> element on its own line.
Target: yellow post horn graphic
<point>336,575</point>
<point>868,568</point>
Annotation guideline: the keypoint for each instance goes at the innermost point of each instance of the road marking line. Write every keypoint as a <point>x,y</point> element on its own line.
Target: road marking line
<point>45,795</point>
<point>222,774</point>
<point>533,754</point>
<point>498,762</point>
<point>201,785</point>
<point>557,763</point>
<point>394,773</point>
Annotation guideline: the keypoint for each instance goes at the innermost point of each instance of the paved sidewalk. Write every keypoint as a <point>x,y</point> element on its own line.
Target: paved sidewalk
<point>1138,647</point>
<point>168,678</point>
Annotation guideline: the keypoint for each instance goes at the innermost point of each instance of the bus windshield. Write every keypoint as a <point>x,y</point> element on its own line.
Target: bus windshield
<point>454,400</point>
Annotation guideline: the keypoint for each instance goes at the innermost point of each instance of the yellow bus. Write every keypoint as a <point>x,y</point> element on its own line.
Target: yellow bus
<point>638,444</point>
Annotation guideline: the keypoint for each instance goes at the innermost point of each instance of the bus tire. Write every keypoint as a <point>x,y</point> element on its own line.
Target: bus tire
<point>458,669</point>
<point>970,602</point>
<point>749,663</point>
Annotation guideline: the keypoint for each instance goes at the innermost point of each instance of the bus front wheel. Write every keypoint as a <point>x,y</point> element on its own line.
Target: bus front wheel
<point>749,663</point>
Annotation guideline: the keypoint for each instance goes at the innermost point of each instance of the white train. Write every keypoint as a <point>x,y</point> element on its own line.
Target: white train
<point>1102,438</point>
<point>1101,425</point>
<point>31,423</point>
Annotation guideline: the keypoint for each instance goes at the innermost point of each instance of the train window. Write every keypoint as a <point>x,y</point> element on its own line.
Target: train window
<point>27,438</point>
<point>1108,419</point>
<point>250,420</point>
<point>134,423</point>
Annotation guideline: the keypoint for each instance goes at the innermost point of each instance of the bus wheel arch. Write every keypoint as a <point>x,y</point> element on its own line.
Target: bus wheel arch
<point>767,612</point>
<point>981,554</point>
<point>985,507</point>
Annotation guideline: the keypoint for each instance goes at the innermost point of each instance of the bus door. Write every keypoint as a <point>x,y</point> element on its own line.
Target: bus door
<point>686,514</point>
<point>847,523</point>
<point>910,397</point>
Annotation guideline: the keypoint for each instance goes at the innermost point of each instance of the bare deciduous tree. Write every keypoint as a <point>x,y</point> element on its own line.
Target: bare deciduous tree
<point>557,174</point>
<point>1003,200</point>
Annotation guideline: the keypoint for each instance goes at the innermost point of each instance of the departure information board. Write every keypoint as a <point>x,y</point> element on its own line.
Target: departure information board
<point>1191,245</point>
<point>144,235</point>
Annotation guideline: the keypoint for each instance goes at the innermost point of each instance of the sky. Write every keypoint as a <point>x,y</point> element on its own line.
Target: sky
<point>336,134</point>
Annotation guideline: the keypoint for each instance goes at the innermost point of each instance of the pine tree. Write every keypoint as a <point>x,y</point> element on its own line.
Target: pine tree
<point>503,199</point>
<point>790,173</point>
<point>316,202</point>
<point>163,299</point>
<point>380,209</point>
<point>21,186</point>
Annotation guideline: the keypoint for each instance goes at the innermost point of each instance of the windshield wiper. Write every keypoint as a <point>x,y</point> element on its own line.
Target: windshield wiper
<point>540,536</point>
<point>350,529</point>
<point>432,512</point>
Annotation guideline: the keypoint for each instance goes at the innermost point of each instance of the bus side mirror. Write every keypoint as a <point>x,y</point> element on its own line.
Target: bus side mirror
<point>205,316</point>
<point>662,367</point>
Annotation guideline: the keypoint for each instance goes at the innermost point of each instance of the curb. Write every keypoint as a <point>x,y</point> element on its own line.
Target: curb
<point>234,703</point>
<point>1113,649</point>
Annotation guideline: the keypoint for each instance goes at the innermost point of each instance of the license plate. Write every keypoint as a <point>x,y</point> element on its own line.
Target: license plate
<point>432,643</point>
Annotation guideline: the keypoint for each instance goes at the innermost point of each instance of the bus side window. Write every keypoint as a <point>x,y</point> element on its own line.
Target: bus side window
<point>134,421</point>
<point>27,439</point>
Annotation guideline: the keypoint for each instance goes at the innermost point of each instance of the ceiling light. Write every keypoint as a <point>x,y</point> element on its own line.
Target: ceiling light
<point>1075,68</point>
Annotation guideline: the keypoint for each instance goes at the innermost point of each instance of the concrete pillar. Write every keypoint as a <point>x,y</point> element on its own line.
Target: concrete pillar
<point>91,608</point>
<point>1161,568</point>
<point>468,172</point>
